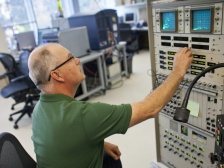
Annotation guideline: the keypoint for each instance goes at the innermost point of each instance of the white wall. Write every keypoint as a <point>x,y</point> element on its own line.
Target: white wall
<point>141,12</point>
<point>3,49</point>
<point>121,10</point>
<point>3,43</point>
<point>4,81</point>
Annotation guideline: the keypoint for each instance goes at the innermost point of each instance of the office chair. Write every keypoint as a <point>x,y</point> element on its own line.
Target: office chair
<point>12,153</point>
<point>22,89</point>
<point>9,64</point>
<point>12,72</point>
<point>126,34</point>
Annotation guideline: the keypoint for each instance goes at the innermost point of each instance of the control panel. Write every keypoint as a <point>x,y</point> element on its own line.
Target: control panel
<point>200,28</point>
<point>184,146</point>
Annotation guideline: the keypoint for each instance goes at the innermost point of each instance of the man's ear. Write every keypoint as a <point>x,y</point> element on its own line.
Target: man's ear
<point>57,76</point>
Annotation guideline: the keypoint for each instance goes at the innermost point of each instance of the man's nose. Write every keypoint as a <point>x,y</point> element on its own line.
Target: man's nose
<point>77,60</point>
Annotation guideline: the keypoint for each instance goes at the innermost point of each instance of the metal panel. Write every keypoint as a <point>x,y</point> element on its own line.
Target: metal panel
<point>188,145</point>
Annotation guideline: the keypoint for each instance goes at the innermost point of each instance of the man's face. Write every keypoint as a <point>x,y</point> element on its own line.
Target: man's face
<point>70,67</point>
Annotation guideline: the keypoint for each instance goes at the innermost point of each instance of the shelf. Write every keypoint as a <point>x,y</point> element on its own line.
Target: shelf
<point>136,5</point>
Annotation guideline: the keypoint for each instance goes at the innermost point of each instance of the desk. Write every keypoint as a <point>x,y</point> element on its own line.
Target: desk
<point>140,29</point>
<point>85,90</point>
<point>121,47</point>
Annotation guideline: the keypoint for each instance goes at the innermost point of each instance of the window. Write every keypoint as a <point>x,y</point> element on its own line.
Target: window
<point>15,19</point>
<point>17,16</point>
<point>94,5</point>
<point>44,11</point>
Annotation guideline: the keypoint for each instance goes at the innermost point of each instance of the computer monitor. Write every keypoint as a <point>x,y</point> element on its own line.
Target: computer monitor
<point>42,32</point>
<point>26,40</point>
<point>201,20</point>
<point>76,40</point>
<point>168,21</point>
<point>130,18</point>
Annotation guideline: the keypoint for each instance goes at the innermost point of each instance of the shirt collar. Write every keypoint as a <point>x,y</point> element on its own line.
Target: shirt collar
<point>55,97</point>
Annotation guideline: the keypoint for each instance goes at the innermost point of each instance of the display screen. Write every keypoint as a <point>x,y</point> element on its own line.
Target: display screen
<point>26,39</point>
<point>168,21</point>
<point>199,137</point>
<point>201,20</point>
<point>129,18</point>
<point>42,32</point>
<point>184,130</point>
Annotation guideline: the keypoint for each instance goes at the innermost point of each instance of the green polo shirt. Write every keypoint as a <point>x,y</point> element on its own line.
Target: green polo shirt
<point>70,134</point>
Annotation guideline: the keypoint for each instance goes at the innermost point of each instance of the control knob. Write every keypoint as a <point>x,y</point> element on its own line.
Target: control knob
<point>217,18</point>
<point>213,158</point>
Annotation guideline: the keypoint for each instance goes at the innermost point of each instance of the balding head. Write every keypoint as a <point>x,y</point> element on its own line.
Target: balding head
<point>42,60</point>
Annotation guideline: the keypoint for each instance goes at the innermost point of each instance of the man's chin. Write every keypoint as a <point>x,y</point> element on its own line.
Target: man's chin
<point>84,76</point>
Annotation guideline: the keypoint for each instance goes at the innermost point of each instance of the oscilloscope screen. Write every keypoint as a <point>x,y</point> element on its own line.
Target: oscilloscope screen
<point>201,20</point>
<point>168,21</point>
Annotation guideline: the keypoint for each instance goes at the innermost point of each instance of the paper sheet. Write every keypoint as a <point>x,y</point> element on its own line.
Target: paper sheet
<point>193,107</point>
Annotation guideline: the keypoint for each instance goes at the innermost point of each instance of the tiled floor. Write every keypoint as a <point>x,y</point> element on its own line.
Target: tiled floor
<point>137,145</point>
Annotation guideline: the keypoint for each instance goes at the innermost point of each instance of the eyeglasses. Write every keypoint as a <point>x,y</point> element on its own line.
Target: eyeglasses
<point>70,57</point>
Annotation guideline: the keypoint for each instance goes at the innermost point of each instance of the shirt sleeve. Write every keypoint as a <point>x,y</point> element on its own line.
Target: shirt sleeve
<point>101,120</point>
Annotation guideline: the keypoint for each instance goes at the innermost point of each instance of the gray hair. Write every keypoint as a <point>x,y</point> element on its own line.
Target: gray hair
<point>40,68</point>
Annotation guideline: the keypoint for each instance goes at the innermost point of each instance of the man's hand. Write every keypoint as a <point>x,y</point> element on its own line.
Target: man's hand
<point>155,101</point>
<point>112,150</point>
<point>182,61</point>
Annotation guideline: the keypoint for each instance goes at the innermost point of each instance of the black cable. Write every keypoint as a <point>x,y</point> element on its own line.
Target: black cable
<point>185,101</point>
<point>157,82</point>
<point>182,113</point>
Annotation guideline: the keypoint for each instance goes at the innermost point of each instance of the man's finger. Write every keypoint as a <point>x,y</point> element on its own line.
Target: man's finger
<point>114,155</point>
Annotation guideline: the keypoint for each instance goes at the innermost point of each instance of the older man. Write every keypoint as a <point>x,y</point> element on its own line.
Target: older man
<point>71,133</point>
